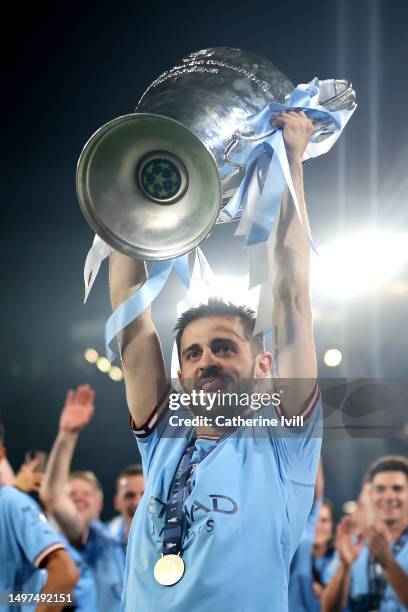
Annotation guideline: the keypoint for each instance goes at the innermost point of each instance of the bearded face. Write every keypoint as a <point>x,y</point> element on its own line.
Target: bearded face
<point>217,359</point>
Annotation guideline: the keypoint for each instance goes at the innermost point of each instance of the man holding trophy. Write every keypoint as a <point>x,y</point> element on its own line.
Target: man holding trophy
<point>224,506</point>
<point>238,554</point>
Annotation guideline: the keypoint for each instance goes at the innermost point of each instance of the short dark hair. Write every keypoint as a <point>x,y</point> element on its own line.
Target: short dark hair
<point>388,463</point>
<point>1,434</point>
<point>130,470</point>
<point>215,308</point>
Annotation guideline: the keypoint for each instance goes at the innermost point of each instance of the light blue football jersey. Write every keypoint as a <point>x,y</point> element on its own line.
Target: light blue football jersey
<point>301,595</point>
<point>85,589</point>
<point>246,511</point>
<point>26,538</point>
<point>359,581</point>
<point>116,526</point>
<point>104,555</point>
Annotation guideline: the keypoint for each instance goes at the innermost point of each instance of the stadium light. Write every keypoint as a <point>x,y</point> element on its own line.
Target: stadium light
<point>359,263</point>
<point>103,364</point>
<point>115,374</point>
<point>332,358</point>
<point>91,356</point>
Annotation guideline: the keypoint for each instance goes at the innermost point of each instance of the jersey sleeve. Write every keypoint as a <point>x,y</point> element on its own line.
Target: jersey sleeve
<point>148,435</point>
<point>298,448</point>
<point>31,528</point>
<point>157,439</point>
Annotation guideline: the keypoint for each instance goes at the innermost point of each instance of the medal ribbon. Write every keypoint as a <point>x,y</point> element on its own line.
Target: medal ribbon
<point>174,523</point>
<point>175,520</point>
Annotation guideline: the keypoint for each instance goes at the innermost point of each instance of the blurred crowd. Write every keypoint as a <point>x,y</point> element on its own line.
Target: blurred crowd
<point>53,541</point>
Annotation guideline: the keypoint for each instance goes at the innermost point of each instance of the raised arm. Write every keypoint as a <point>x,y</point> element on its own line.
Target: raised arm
<point>77,412</point>
<point>294,350</point>
<point>142,358</point>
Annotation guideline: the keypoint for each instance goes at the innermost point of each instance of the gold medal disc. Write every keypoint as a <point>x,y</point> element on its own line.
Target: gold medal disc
<point>169,569</point>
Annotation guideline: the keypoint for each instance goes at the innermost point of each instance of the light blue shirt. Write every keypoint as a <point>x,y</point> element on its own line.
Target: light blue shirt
<point>26,538</point>
<point>246,511</point>
<point>85,589</point>
<point>116,526</point>
<point>301,595</point>
<point>105,557</point>
<point>360,586</point>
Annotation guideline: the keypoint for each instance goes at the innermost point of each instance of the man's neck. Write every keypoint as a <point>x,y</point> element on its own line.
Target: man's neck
<point>209,431</point>
<point>128,523</point>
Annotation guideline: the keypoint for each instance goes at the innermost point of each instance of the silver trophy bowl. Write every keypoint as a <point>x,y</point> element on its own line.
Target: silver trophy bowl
<point>152,183</point>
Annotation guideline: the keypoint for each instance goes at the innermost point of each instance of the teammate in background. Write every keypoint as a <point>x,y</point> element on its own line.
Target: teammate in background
<point>373,571</point>
<point>224,511</point>
<point>75,501</point>
<point>315,559</point>
<point>28,479</point>
<point>325,560</point>
<point>32,556</point>
<point>129,491</point>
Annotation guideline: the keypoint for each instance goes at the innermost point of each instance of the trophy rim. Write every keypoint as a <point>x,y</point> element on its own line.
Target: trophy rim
<point>102,230</point>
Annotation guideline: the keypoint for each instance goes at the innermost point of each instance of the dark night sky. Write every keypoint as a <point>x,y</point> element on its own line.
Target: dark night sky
<point>71,68</point>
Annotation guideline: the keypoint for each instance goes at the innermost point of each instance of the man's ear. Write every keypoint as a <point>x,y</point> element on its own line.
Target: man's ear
<point>3,453</point>
<point>116,503</point>
<point>180,376</point>
<point>263,364</point>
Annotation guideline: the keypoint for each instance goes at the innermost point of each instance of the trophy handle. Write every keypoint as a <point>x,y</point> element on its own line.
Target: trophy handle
<point>335,94</point>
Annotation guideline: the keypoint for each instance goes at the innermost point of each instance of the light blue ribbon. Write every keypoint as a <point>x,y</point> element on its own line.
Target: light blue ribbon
<point>269,201</point>
<point>131,308</point>
<point>234,207</point>
<point>278,173</point>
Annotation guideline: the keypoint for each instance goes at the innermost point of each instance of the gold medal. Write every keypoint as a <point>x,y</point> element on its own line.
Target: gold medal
<point>169,569</point>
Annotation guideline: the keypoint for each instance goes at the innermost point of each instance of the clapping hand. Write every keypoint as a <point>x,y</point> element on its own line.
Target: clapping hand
<point>379,538</point>
<point>347,543</point>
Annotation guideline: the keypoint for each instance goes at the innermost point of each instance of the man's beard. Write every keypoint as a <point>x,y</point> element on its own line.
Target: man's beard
<point>226,392</point>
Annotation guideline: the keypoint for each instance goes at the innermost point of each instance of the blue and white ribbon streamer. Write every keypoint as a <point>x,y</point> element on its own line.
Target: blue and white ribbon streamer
<point>304,97</point>
<point>96,254</point>
<point>202,285</point>
<point>131,308</point>
<point>259,211</point>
